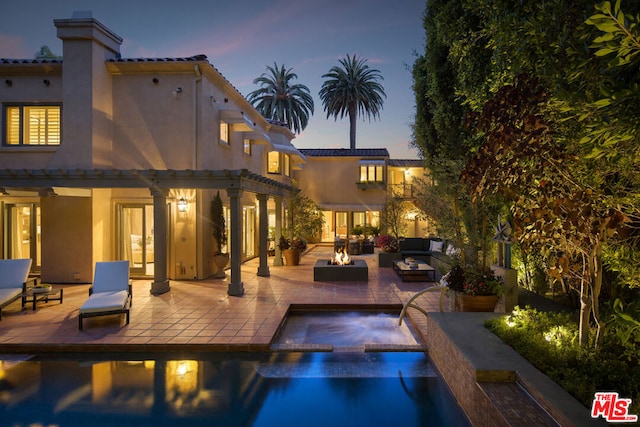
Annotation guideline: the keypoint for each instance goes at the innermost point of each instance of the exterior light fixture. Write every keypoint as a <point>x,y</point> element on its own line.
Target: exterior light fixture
<point>177,91</point>
<point>182,205</point>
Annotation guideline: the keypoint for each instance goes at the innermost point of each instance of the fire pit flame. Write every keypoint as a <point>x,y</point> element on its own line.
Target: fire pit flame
<point>340,258</point>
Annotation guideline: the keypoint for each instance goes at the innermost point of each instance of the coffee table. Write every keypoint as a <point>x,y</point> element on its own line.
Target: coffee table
<point>35,295</point>
<point>422,272</point>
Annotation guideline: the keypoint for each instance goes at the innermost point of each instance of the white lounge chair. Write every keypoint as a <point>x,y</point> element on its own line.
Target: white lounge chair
<point>14,274</point>
<point>110,292</point>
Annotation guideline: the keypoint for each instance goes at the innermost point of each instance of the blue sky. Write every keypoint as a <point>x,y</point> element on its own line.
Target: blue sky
<point>242,37</point>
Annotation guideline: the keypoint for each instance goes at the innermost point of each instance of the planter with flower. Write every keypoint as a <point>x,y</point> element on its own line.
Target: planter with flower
<point>389,250</point>
<point>291,249</point>
<point>387,243</point>
<point>472,288</point>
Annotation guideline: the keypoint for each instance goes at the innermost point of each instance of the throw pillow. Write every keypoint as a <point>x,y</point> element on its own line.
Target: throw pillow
<point>435,246</point>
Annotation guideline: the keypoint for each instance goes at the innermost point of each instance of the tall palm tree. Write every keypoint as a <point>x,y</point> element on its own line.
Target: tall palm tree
<point>352,89</point>
<point>279,100</point>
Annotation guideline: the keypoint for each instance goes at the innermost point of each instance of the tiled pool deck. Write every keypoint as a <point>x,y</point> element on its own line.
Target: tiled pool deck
<point>200,316</point>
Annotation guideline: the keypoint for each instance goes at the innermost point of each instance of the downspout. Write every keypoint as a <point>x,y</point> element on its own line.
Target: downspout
<point>199,267</point>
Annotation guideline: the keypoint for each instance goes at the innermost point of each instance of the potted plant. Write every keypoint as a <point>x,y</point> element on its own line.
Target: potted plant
<point>220,259</point>
<point>472,288</point>
<point>291,253</point>
<point>387,243</point>
<point>389,250</point>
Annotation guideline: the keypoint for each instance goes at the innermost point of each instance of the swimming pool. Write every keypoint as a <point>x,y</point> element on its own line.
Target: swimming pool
<point>226,389</point>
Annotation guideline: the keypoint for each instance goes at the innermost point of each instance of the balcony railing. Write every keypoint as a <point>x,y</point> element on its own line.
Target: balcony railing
<point>371,185</point>
<point>402,191</point>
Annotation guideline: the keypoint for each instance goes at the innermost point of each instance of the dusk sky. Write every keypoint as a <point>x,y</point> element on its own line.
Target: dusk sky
<point>242,37</point>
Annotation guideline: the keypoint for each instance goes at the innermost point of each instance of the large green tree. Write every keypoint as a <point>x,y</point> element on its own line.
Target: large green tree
<point>439,130</point>
<point>281,100</point>
<point>352,89</point>
<point>553,89</point>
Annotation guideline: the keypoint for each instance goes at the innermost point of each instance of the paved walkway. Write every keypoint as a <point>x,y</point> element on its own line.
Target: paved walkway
<point>199,315</point>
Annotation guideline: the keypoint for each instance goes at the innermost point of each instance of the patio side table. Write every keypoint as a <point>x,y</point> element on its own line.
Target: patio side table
<point>33,296</point>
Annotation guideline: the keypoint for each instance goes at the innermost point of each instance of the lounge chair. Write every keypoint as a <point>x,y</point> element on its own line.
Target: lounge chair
<point>110,292</point>
<point>14,274</point>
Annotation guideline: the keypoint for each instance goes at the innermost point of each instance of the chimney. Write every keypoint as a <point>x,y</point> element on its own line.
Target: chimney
<point>86,91</point>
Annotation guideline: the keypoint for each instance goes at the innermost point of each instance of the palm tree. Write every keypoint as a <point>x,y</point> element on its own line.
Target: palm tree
<point>352,89</point>
<point>281,101</point>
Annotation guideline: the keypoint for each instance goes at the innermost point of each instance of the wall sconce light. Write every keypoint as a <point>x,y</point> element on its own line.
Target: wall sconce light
<point>182,205</point>
<point>46,82</point>
<point>9,83</point>
<point>155,80</point>
<point>212,99</point>
<point>177,91</point>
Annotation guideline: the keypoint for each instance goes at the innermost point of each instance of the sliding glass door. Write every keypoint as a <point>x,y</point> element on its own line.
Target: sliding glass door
<point>135,243</point>
<point>22,232</point>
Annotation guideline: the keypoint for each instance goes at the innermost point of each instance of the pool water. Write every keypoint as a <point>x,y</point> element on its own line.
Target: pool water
<point>344,328</point>
<point>226,389</point>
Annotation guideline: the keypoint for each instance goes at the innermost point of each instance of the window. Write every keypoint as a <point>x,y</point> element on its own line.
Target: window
<point>287,165</point>
<point>247,146</point>
<point>32,125</point>
<point>372,171</point>
<point>274,162</point>
<point>224,133</point>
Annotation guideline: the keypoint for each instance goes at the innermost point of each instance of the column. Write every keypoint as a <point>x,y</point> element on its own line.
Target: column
<point>278,258</point>
<point>263,232</point>
<point>160,283</point>
<point>235,287</point>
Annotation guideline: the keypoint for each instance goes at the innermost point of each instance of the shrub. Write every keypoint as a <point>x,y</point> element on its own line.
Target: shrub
<point>549,342</point>
<point>387,243</point>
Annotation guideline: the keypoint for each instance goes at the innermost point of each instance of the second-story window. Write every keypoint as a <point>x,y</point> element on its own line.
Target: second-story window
<point>247,147</point>
<point>371,171</point>
<point>224,133</point>
<point>32,125</point>
<point>274,162</point>
<point>287,165</point>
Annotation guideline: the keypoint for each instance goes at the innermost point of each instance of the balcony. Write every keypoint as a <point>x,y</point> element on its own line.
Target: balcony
<point>371,185</point>
<point>402,191</point>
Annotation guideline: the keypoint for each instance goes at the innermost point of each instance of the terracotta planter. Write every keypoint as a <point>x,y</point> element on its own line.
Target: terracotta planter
<point>221,262</point>
<point>291,256</point>
<point>486,303</point>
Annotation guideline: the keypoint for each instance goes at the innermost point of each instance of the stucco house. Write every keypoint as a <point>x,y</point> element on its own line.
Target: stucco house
<point>106,158</point>
<point>353,185</point>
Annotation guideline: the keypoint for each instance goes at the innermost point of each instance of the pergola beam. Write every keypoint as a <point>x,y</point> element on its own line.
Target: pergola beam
<point>224,179</point>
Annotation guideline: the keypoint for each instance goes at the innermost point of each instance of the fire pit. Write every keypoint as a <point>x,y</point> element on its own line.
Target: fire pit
<point>340,268</point>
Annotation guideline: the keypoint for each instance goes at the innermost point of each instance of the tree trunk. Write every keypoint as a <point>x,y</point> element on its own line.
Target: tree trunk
<point>585,314</point>
<point>595,273</point>
<point>458,228</point>
<point>353,116</point>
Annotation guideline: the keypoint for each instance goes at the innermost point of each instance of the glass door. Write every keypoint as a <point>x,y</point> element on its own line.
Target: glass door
<point>341,225</point>
<point>23,233</point>
<point>135,225</point>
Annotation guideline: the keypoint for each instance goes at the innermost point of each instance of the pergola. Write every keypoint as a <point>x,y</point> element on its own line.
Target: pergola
<point>159,183</point>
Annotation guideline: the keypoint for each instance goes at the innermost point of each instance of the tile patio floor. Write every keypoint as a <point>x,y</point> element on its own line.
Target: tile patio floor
<point>199,315</point>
